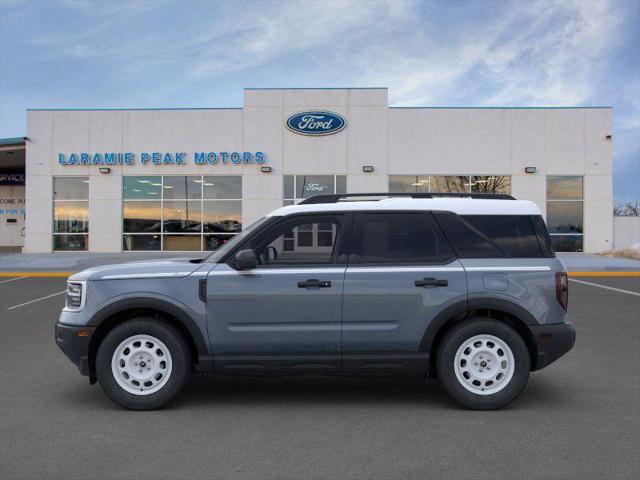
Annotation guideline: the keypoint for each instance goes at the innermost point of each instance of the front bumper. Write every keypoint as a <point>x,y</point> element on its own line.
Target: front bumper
<point>552,341</point>
<point>74,343</point>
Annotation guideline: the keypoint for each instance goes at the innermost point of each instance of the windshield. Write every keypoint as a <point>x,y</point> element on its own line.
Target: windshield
<point>222,251</point>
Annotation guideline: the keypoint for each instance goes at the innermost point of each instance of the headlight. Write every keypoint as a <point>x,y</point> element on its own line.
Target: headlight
<point>74,296</point>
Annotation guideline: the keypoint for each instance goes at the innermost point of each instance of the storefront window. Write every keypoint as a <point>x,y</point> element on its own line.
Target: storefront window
<point>450,183</point>
<point>565,213</point>
<point>299,187</point>
<point>180,213</point>
<point>70,213</point>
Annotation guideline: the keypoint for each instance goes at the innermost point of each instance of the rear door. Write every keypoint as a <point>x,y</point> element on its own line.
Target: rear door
<point>402,273</point>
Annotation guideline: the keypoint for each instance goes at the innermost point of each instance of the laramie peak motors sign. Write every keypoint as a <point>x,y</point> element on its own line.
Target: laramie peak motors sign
<point>316,123</point>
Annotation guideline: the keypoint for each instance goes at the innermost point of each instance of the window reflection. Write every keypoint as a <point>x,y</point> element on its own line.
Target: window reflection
<point>70,213</point>
<point>179,209</point>
<point>295,187</point>
<point>408,183</point>
<point>185,187</point>
<point>182,216</point>
<point>450,184</point>
<point>71,188</point>
<point>565,212</point>
<point>564,188</point>
<point>564,217</point>
<point>71,217</point>
<point>141,242</point>
<point>141,217</point>
<point>142,187</point>
<point>491,184</point>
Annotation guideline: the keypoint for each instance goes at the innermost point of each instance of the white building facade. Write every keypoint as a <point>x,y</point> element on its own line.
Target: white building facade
<point>189,179</point>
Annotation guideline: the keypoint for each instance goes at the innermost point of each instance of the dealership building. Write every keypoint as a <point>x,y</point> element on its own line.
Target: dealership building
<point>109,180</point>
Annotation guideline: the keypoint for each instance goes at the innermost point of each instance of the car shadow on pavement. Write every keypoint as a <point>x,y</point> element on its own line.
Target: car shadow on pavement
<point>211,391</point>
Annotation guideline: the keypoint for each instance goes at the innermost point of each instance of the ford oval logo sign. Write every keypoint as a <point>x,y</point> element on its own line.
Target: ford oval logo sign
<point>316,123</point>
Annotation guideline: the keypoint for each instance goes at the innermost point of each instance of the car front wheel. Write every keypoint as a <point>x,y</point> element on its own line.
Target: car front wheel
<point>142,363</point>
<point>483,363</point>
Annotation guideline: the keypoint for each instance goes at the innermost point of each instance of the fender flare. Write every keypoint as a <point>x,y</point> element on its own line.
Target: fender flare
<point>154,303</point>
<point>463,307</point>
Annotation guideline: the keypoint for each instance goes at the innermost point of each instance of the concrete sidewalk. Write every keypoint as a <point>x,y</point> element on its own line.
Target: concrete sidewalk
<point>76,261</point>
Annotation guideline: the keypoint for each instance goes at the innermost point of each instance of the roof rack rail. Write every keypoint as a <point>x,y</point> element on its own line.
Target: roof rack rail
<point>337,197</point>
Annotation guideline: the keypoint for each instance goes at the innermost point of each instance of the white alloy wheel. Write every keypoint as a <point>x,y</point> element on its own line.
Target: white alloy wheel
<point>141,364</point>
<point>484,364</point>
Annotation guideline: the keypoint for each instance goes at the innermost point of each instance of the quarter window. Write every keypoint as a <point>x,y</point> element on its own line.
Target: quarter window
<point>400,238</point>
<point>512,233</point>
<point>70,213</point>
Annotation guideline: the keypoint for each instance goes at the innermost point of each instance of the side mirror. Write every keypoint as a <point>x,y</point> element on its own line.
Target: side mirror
<point>246,260</point>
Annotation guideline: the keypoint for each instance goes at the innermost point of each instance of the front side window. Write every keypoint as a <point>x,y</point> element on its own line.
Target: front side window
<point>400,238</point>
<point>565,212</point>
<point>181,212</point>
<point>299,187</point>
<point>304,240</point>
<point>70,213</point>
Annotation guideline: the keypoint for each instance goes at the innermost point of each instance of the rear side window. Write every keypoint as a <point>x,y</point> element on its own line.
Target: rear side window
<point>400,238</point>
<point>514,234</point>
<point>468,241</point>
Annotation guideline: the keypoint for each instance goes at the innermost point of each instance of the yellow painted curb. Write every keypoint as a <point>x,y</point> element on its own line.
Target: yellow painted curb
<point>36,274</point>
<point>604,274</point>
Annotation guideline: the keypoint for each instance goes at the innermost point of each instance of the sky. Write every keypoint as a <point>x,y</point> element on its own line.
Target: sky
<point>138,53</point>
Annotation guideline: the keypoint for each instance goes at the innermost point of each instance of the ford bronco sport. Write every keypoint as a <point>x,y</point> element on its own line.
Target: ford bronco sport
<point>463,288</point>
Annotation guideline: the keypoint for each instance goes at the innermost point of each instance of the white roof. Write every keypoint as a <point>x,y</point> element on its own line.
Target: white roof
<point>461,206</point>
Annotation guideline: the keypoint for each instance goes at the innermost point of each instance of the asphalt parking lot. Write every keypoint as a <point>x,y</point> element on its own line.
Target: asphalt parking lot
<point>579,418</point>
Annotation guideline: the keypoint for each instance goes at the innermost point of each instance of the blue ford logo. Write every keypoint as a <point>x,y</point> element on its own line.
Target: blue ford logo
<point>316,123</point>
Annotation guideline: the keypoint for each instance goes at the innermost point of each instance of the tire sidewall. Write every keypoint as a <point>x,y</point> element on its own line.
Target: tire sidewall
<point>164,332</point>
<point>446,358</point>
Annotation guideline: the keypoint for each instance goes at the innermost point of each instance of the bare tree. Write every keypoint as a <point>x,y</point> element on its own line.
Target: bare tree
<point>628,209</point>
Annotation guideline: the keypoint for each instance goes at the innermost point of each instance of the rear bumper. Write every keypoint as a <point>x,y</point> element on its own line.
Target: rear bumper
<point>552,341</point>
<point>74,343</point>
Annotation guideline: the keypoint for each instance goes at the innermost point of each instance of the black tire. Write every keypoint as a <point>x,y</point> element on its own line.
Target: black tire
<point>180,362</point>
<point>452,341</point>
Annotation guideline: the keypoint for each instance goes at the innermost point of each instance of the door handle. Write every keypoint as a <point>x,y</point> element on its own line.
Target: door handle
<point>314,283</point>
<point>431,282</point>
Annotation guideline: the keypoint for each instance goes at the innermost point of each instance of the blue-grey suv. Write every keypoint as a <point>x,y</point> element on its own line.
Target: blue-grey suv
<point>463,288</point>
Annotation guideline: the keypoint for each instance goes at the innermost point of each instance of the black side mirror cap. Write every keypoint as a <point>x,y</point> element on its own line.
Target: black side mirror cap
<point>246,260</point>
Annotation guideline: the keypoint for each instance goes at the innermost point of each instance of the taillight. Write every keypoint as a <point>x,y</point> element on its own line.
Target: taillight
<point>562,289</point>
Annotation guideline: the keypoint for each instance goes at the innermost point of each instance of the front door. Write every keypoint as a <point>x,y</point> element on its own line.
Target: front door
<point>285,315</point>
<point>401,274</point>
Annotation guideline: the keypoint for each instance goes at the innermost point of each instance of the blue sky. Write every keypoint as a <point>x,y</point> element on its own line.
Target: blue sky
<point>83,54</point>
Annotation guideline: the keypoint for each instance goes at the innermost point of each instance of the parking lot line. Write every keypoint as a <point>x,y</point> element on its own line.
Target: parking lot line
<point>605,287</point>
<point>35,300</point>
<point>36,274</point>
<point>604,274</point>
<point>11,280</point>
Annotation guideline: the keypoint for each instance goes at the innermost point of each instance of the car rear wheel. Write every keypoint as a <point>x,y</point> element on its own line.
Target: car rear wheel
<point>483,363</point>
<point>142,363</point>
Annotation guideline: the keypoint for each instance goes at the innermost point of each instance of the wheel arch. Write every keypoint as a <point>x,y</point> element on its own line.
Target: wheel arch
<point>119,312</point>
<point>510,313</point>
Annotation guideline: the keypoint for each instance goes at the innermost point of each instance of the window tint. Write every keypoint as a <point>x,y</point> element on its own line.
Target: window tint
<point>543,236</point>
<point>402,238</point>
<point>468,241</point>
<point>512,233</point>
<point>299,241</point>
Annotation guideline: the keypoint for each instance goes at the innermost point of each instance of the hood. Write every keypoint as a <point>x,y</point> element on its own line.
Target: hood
<point>173,268</point>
